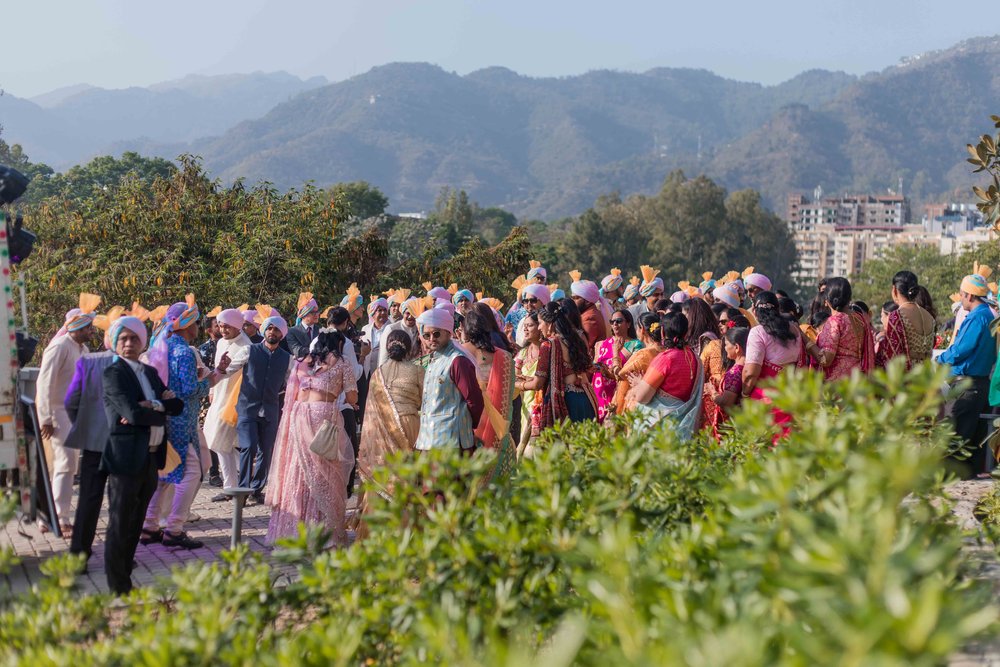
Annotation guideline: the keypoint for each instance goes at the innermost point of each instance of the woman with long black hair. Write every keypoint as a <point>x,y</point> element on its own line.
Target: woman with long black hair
<point>306,486</point>
<point>909,329</point>
<point>846,342</point>
<point>610,356</point>
<point>561,376</point>
<point>772,346</point>
<point>495,374</point>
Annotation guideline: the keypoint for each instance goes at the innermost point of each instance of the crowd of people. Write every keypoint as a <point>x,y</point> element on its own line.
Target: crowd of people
<point>301,414</point>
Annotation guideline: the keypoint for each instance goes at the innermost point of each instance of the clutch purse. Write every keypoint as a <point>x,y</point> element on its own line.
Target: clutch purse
<point>325,442</point>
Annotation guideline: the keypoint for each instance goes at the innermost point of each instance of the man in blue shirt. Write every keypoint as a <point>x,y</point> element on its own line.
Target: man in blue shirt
<point>971,356</point>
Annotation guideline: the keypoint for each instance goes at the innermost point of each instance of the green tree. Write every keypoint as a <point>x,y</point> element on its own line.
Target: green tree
<point>690,226</point>
<point>361,199</point>
<point>453,215</point>
<point>610,234</point>
<point>100,174</point>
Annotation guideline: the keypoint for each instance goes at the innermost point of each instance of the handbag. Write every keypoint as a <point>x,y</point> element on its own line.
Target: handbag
<point>326,442</point>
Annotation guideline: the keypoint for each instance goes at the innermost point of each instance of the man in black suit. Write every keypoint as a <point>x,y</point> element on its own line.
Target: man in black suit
<point>136,405</point>
<point>306,327</point>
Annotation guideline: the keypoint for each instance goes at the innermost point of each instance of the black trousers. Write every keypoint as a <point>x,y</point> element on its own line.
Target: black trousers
<point>351,426</point>
<point>93,481</point>
<point>964,412</point>
<point>128,498</point>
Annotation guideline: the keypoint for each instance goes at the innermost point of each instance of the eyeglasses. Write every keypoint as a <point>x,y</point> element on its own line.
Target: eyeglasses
<point>529,300</point>
<point>428,335</point>
<point>618,321</point>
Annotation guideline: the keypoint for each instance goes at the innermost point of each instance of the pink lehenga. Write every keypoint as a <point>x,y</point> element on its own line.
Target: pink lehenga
<point>305,487</point>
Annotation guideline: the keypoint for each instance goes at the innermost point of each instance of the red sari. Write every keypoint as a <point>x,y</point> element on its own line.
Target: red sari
<point>494,426</point>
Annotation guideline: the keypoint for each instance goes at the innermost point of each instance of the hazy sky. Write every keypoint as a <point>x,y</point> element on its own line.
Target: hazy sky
<point>118,43</point>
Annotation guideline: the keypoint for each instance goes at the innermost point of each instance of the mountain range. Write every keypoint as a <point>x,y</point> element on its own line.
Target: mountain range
<point>546,147</point>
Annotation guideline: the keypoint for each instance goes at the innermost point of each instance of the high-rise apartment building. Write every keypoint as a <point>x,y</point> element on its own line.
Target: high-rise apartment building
<point>835,236</point>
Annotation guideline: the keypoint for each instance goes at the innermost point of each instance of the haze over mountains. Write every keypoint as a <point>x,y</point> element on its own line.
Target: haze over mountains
<point>545,147</point>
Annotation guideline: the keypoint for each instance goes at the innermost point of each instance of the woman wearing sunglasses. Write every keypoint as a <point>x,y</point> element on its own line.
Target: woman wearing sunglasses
<point>561,377</point>
<point>610,356</point>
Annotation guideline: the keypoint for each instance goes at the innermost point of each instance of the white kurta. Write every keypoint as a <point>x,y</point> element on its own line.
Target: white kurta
<point>221,437</point>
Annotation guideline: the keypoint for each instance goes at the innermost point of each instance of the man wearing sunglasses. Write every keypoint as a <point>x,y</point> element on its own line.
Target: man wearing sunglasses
<point>452,402</point>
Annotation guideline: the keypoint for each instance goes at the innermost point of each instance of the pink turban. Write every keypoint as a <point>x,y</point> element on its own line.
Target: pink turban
<point>540,292</point>
<point>250,317</point>
<point>439,293</point>
<point>232,317</point>
<point>586,289</point>
<point>679,296</point>
<point>445,305</point>
<point>437,318</point>
<point>375,305</point>
<point>758,280</point>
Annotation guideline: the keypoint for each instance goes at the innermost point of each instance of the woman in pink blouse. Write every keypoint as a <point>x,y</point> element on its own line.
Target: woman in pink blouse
<point>773,345</point>
<point>846,341</point>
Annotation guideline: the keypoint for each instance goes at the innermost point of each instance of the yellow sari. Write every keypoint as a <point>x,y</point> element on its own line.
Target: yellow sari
<point>392,421</point>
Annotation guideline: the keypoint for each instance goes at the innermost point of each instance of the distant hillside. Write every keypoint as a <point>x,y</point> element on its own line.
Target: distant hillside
<point>71,125</point>
<point>507,139</point>
<point>547,147</point>
<point>911,121</point>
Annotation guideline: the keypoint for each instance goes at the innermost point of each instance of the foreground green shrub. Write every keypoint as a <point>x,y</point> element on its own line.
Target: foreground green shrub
<point>832,547</point>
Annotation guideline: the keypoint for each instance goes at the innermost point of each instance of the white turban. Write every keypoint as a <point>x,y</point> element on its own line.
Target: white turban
<point>276,321</point>
<point>133,324</point>
<point>438,318</point>
<point>758,280</point>
<point>540,292</point>
<point>232,317</point>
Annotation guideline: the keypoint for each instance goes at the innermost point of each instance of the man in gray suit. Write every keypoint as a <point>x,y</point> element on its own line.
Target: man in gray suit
<point>89,432</point>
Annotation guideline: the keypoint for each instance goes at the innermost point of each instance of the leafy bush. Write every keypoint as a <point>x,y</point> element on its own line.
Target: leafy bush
<point>609,547</point>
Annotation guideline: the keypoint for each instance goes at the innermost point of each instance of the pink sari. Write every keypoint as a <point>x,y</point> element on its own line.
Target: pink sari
<point>303,486</point>
<point>849,337</point>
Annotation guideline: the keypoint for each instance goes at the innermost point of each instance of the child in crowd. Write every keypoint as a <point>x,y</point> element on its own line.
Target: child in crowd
<point>732,382</point>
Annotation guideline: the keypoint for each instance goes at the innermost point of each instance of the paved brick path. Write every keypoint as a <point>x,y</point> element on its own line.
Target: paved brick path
<point>155,560</point>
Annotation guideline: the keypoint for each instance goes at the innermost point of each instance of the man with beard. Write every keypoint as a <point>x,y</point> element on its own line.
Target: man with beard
<point>259,407</point>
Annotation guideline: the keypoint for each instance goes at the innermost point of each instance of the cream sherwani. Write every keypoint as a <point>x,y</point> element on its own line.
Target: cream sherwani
<point>221,437</point>
<point>54,377</point>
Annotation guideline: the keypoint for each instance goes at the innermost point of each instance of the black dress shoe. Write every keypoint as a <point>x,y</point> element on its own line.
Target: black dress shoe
<point>219,497</point>
<point>150,536</point>
<point>256,498</point>
<point>181,540</point>
<point>215,480</point>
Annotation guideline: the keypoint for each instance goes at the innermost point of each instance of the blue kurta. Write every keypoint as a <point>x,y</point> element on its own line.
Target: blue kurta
<point>973,351</point>
<point>182,430</point>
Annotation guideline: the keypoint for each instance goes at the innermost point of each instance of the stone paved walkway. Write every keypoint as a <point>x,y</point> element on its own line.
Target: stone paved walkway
<point>154,561</point>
